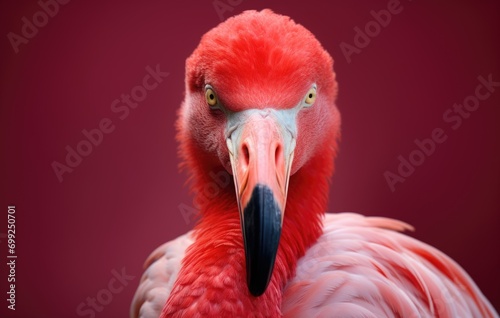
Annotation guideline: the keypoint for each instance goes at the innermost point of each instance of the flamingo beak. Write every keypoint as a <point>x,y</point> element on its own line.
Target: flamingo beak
<point>261,153</point>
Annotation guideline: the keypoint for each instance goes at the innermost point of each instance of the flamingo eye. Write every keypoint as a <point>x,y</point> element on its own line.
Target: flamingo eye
<point>311,96</point>
<point>211,97</point>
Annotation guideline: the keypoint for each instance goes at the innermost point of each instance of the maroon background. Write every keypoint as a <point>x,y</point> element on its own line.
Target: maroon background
<point>122,201</point>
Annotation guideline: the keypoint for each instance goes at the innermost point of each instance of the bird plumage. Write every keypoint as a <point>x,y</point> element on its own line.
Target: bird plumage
<point>364,267</point>
<point>247,82</point>
<point>161,270</point>
<point>360,267</point>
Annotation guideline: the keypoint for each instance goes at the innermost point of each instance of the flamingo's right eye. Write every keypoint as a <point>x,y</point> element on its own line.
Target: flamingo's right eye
<point>210,97</point>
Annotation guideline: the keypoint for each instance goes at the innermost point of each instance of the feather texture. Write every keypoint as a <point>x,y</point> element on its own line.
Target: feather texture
<point>360,267</point>
<point>162,268</point>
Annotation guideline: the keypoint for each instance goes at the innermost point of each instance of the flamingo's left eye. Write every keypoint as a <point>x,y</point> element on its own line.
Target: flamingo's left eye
<point>210,97</point>
<point>311,96</point>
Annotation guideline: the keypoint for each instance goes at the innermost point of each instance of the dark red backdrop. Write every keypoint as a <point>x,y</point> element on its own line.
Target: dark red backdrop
<point>122,200</point>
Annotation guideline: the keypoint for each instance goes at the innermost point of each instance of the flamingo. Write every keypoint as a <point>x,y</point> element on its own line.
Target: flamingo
<point>260,104</point>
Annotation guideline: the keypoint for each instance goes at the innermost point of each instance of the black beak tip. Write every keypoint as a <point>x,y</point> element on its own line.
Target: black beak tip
<point>257,288</point>
<point>261,233</point>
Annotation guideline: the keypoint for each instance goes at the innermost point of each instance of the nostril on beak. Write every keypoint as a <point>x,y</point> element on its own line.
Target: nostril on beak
<point>278,155</point>
<point>245,155</point>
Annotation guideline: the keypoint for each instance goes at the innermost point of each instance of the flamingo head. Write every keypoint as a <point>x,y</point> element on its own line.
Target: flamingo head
<point>260,93</point>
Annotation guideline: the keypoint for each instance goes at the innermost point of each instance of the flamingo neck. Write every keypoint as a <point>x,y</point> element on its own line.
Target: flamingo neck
<point>212,280</point>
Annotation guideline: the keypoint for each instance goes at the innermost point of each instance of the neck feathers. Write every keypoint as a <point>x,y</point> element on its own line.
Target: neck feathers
<point>212,280</point>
